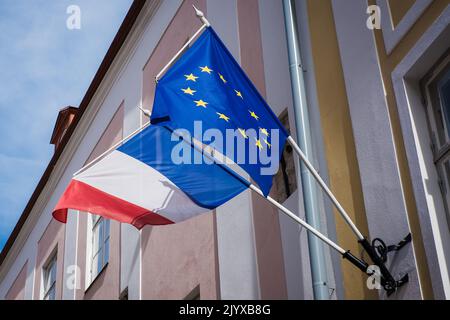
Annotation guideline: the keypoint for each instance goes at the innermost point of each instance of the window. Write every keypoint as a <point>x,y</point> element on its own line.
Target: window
<point>436,88</point>
<point>49,279</point>
<point>100,245</point>
<point>285,180</point>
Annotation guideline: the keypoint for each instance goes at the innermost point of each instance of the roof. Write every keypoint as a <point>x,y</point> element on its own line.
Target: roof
<point>112,52</point>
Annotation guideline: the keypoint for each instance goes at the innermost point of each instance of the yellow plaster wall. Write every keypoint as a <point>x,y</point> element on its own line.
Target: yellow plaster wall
<point>338,135</point>
<point>338,139</point>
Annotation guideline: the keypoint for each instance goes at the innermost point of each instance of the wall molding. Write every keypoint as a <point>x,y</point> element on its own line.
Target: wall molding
<point>393,35</point>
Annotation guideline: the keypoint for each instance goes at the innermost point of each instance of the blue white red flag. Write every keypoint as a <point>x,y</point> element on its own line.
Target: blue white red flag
<point>142,182</point>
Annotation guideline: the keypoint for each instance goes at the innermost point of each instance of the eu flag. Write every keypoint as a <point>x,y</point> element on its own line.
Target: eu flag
<point>207,90</point>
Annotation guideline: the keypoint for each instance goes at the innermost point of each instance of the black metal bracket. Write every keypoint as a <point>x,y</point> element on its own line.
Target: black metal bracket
<point>382,250</point>
<point>377,252</point>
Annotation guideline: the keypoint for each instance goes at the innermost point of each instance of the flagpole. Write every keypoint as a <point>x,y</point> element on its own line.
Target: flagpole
<point>346,254</point>
<point>294,217</point>
<point>175,57</point>
<point>205,24</point>
<point>325,187</point>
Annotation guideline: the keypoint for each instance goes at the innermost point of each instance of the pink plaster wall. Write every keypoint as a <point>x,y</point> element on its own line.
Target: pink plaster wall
<point>107,283</point>
<point>177,258</point>
<point>269,251</point>
<point>51,240</point>
<point>17,290</point>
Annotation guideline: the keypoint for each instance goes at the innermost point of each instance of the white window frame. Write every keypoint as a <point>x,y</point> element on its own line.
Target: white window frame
<point>94,223</point>
<point>438,146</point>
<point>406,77</point>
<point>46,272</point>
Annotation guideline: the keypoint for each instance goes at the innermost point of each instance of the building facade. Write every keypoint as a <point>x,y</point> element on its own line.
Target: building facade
<point>378,99</point>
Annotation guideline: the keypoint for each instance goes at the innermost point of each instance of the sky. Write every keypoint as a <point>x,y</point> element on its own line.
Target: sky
<point>44,66</point>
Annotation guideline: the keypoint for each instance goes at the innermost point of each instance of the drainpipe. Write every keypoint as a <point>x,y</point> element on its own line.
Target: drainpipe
<point>310,199</point>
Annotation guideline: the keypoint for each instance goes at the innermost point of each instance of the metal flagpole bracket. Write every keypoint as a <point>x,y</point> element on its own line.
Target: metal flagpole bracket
<point>377,251</point>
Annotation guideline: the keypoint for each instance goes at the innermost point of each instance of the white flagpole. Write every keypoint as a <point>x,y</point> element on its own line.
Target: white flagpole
<point>210,154</point>
<point>325,188</point>
<point>179,52</point>
<point>291,215</point>
<point>346,254</point>
<point>205,24</point>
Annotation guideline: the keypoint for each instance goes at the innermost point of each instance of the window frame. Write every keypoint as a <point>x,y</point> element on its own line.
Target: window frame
<point>50,268</point>
<point>97,249</point>
<point>438,122</point>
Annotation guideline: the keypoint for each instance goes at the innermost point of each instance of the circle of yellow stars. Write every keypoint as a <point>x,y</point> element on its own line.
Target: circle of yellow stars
<point>203,104</point>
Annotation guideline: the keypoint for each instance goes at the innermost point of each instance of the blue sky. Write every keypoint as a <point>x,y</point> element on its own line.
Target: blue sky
<point>43,66</point>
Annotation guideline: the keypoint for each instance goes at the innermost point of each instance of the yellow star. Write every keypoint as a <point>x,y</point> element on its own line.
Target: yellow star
<point>268,144</point>
<point>222,116</point>
<point>189,91</point>
<point>191,77</point>
<point>222,78</point>
<point>253,115</point>
<point>201,103</point>
<point>206,69</point>
<point>258,144</point>
<point>239,94</point>
<point>242,132</point>
<point>264,131</point>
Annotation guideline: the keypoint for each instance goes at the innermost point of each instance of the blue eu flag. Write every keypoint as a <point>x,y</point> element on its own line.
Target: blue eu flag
<point>207,90</point>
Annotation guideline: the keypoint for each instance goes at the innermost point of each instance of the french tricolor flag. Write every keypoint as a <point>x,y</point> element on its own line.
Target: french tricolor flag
<point>143,183</point>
